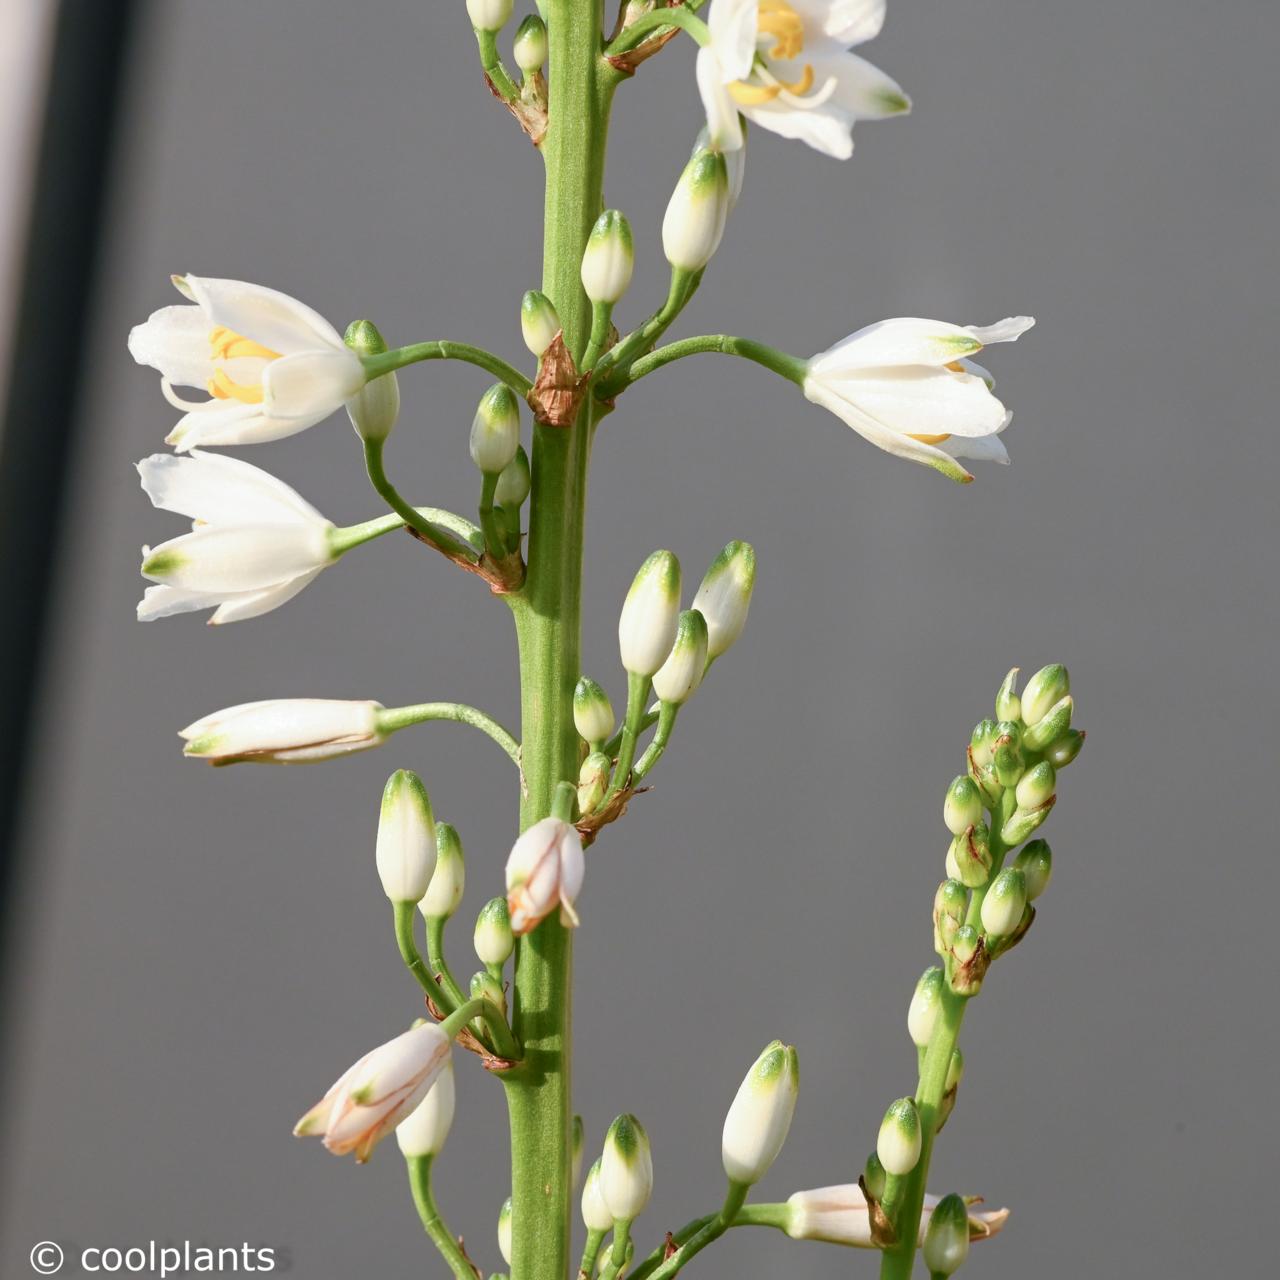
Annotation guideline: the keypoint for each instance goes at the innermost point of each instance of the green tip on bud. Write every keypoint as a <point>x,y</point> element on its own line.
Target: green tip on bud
<point>950,904</point>
<point>449,878</point>
<point>530,49</point>
<point>609,258</point>
<point>724,598</point>
<point>485,986</point>
<point>626,1169</point>
<point>760,1115</point>
<point>898,1143</point>
<point>373,410</point>
<point>489,15</point>
<point>982,742</point>
<point>1048,686</point>
<point>695,218</point>
<point>504,1231</point>
<point>946,1242</point>
<point>677,679</point>
<point>1005,902</point>
<point>514,482</point>
<point>1008,704</point>
<point>965,944</point>
<point>969,856</point>
<point>926,1004</point>
<point>576,1148</point>
<point>405,851</point>
<point>493,938</point>
<point>962,807</point>
<point>593,781</point>
<point>1063,751</point>
<point>874,1178</point>
<point>647,625</point>
<point>592,711</point>
<point>1036,864</point>
<point>363,337</point>
<point>1006,756</point>
<point>539,321</point>
<point>1037,786</point>
<point>1055,722</point>
<point>495,430</point>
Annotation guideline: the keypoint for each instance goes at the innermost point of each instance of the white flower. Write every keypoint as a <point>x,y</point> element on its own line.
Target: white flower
<point>271,365</point>
<point>424,1132</point>
<point>371,1098</point>
<point>908,386</point>
<point>284,731</point>
<point>256,543</point>
<point>544,871</point>
<point>786,66</point>
<point>839,1215</point>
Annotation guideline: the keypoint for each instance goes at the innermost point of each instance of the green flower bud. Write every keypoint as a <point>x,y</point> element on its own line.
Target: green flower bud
<point>955,1071</point>
<point>971,962</point>
<point>592,711</point>
<point>1064,750</point>
<point>949,906</point>
<point>494,941</point>
<point>449,878</point>
<point>1006,756</point>
<point>406,845</point>
<point>626,1169</point>
<point>874,1177</point>
<point>1036,864</point>
<point>724,597</point>
<point>530,49</point>
<point>946,1242</point>
<point>595,1213</point>
<point>760,1115</point>
<point>609,258</point>
<point>680,675</point>
<point>593,781</point>
<point>969,857</point>
<point>486,987</point>
<point>1037,786</point>
<point>576,1149</point>
<point>513,483</point>
<point>926,1004</point>
<point>1048,686</point>
<point>962,806</point>
<point>539,322</point>
<point>695,217</point>
<point>1008,704</point>
<point>965,946</point>
<point>489,15</point>
<point>1025,821</point>
<point>373,410</point>
<point>1005,902</point>
<point>1056,721</point>
<point>981,742</point>
<point>647,625</point>
<point>495,430</point>
<point>504,1223</point>
<point>898,1142</point>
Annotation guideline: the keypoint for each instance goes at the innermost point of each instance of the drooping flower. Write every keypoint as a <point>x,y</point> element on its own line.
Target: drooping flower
<point>909,387</point>
<point>272,366</point>
<point>839,1215</point>
<point>255,542</point>
<point>284,731</point>
<point>544,873</point>
<point>786,66</point>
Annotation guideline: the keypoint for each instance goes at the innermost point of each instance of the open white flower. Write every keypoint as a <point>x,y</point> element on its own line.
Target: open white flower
<point>284,731</point>
<point>908,386</point>
<point>272,366</point>
<point>255,542</point>
<point>786,66</point>
<point>839,1215</point>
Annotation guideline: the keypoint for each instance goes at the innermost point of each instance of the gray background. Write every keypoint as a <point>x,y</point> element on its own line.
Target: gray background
<point>202,952</point>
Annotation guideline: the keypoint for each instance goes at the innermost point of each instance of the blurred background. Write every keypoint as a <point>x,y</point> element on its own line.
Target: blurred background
<point>191,957</point>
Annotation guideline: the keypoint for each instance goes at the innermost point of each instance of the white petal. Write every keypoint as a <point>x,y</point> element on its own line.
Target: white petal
<point>828,129</point>
<point>227,559</point>
<point>164,601</point>
<point>724,126</point>
<point>861,88</point>
<point>215,422</point>
<point>285,723</point>
<point>982,448</point>
<point>918,400</point>
<point>219,490</point>
<point>175,340</point>
<point>902,341</point>
<point>1009,329</point>
<point>734,26</point>
<point>271,319</point>
<point>849,21</point>
<point>254,604</point>
<point>311,384</point>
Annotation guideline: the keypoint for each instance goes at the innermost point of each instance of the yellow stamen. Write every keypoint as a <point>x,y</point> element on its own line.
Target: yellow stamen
<point>780,20</point>
<point>222,388</point>
<point>752,95</point>
<point>929,439</point>
<point>229,345</point>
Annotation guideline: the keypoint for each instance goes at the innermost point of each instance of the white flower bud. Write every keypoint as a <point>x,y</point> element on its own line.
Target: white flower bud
<point>946,1241</point>
<point>495,430</point>
<point>489,15</point>
<point>962,807</point>
<point>898,1143</point>
<point>1008,704</point>
<point>406,846</point>
<point>449,879</point>
<point>1005,902</point>
<point>609,258</point>
<point>1036,786</point>
<point>696,213</point>
<point>375,408</point>
<point>592,711</point>
<point>677,679</point>
<point>1036,864</point>
<point>513,483</point>
<point>724,597</point>
<point>839,1215</point>
<point>593,780</point>
<point>504,1231</point>
<point>595,1213</point>
<point>530,48</point>
<point>1048,686</point>
<point>735,161</point>
<point>760,1116</point>
<point>424,1131</point>
<point>926,1004</point>
<point>647,625</point>
<point>626,1169</point>
<point>493,939</point>
<point>539,321</point>
<point>284,731</point>
<point>544,873</point>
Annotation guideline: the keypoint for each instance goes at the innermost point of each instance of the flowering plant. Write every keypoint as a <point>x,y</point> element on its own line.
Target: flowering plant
<point>271,368</point>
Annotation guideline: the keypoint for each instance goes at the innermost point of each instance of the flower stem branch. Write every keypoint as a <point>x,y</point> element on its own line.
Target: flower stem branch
<point>657,23</point>
<point>614,369</point>
<point>424,1198</point>
<point>431,533</point>
<point>408,944</point>
<point>491,63</point>
<point>705,1235</point>
<point>356,535</point>
<point>400,357</point>
<point>750,1215</point>
<point>446,992</point>
<point>392,719</point>
<point>788,366</point>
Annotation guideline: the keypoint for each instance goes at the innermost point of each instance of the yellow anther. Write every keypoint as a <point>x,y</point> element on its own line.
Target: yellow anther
<point>222,388</point>
<point>780,20</point>
<point>929,439</point>
<point>751,95</point>
<point>804,84</point>
<point>229,345</point>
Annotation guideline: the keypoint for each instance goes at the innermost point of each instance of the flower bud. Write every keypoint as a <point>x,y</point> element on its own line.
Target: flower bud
<point>955,1071</point>
<point>1005,902</point>
<point>539,322</point>
<point>1037,786</point>
<point>609,258</point>
<point>982,742</point>
<point>1056,721</point>
<point>1064,750</point>
<point>1025,821</point>
<point>839,1215</point>
<point>593,781</point>
<point>504,1227</point>
<point>626,1169</point>
<point>760,1115</point>
<point>513,483</point>
<point>898,1143</point>
<point>449,878</point>
<point>544,873</point>
<point>495,430</point>
<point>874,1178</point>
<point>371,1098</point>
<point>1048,686</point>
<point>675,681</point>
<point>949,906</point>
<point>493,938</point>
<point>530,49</point>
<point>592,712</point>
<point>962,806</point>
<point>946,1242</point>
<point>1006,757</point>
<point>969,857</point>
<point>595,1213</point>
<point>424,1130</point>
<point>284,731</point>
<point>1008,704</point>
<point>647,625</point>
<point>696,213</point>
<point>489,15</point>
<point>406,846</point>
<point>575,1152</point>
<point>926,1004</point>
<point>965,944</point>
<point>724,597</point>
<point>1036,864</point>
<point>373,410</point>
<point>735,162</point>
<point>485,986</point>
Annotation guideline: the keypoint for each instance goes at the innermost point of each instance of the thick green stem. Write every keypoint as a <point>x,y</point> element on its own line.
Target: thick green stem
<point>429,1212</point>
